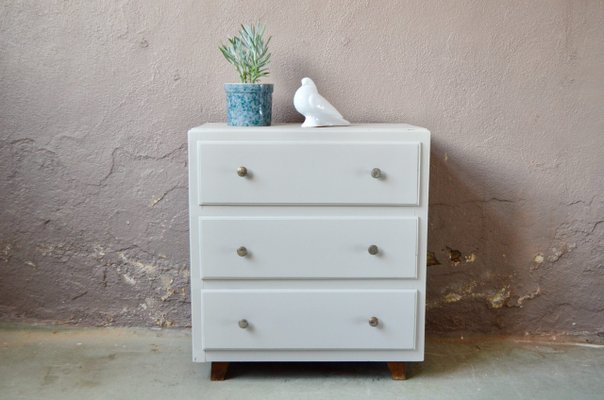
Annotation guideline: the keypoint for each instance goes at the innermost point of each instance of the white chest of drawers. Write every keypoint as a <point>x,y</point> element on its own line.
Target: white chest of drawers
<point>308,244</point>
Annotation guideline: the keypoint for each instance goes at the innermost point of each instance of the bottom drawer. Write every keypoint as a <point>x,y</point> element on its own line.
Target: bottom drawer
<point>308,319</point>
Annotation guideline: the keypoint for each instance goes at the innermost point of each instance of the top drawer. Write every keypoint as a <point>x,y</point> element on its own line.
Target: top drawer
<point>310,173</point>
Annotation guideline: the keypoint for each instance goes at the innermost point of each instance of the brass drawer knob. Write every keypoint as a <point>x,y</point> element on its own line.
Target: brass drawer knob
<point>374,321</point>
<point>373,250</point>
<point>242,171</point>
<point>243,323</point>
<point>376,173</point>
<point>242,251</point>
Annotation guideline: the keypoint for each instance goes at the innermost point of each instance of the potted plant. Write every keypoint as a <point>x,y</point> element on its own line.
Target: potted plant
<point>249,103</point>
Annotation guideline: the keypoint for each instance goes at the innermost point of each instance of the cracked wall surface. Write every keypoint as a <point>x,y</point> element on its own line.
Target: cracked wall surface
<point>96,99</point>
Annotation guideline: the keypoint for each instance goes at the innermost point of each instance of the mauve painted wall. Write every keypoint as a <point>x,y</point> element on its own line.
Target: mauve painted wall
<point>96,98</point>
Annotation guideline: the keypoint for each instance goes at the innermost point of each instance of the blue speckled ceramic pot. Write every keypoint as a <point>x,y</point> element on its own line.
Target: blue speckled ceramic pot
<point>249,104</point>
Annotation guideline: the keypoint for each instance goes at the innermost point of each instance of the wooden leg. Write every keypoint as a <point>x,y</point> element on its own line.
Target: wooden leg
<point>219,371</point>
<point>397,371</point>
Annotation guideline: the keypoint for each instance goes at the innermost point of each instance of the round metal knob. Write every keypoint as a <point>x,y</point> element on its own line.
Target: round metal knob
<point>374,321</point>
<point>243,323</point>
<point>373,250</point>
<point>242,171</point>
<point>242,251</point>
<point>376,173</point>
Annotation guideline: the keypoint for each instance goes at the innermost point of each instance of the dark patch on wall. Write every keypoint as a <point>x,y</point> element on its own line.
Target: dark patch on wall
<point>431,259</point>
<point>454,256</point>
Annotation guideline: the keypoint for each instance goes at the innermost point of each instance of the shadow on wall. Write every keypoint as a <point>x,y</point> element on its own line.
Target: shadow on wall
<point>473,253</point>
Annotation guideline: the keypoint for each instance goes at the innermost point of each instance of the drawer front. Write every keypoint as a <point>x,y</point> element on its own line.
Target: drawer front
<point>304,247</point>
<point>309,173</point>
<point>309,319</point>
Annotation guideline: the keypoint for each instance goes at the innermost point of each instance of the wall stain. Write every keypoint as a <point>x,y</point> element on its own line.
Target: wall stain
<point>529,296</point>
<point>163,322</point>
<point>558,252</point>
<point>455,256</point>
<point>452,298</point>
<point>5,253</point>
<point>167,286</point>
<point>494,300</point>
<point>498,299</point>
<point>537,261</point>
<point>431,259</point>
<point>145,267</point>
<point>129,280</point>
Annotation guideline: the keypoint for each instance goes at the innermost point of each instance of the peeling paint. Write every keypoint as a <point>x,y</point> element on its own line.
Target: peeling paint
<point>129,280</point>
<point>558,252</point>
<point>45,249</point>
<point>161,319</point>
<point>163,322</point>
<point>150,302</point>
<point>147,268</point>
<point>471,258</point>
<point>498,299</point>
<point>155,200</point>
<point>452,298</point>
<point>167,287</point>
<point>494,300</point>
<point>169,293</point>
<point>537,261</point>
<point>530,296</point>
<point>455,256</point>
<point>431,259</point>
<point>469,287</point>
<point>99,251</point>
<point>5,254</point>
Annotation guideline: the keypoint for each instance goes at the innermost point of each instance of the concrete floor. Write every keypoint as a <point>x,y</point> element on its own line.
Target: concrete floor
<point>109,363</point>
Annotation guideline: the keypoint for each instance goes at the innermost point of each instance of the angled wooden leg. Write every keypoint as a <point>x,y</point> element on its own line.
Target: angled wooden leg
<point>219,371</point>
<point>397,371</point>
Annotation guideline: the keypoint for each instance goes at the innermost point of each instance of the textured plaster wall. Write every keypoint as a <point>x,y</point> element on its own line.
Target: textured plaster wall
<point>96,97</point>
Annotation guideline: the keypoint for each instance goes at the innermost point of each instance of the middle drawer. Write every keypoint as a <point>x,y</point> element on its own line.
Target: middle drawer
<point>308,247</point>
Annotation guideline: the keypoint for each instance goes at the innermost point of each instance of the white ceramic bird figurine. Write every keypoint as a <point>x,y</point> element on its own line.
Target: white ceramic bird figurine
<point>317,110</point>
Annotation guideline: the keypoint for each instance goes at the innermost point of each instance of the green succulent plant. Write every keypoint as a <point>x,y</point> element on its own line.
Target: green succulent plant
<point>248,53</point>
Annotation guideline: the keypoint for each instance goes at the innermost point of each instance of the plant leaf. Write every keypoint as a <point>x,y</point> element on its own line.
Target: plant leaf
<point>248,52</point>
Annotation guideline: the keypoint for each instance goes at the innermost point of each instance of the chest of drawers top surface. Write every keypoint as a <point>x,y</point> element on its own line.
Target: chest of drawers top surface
<point>289,132</point>
<point>295,127</point>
